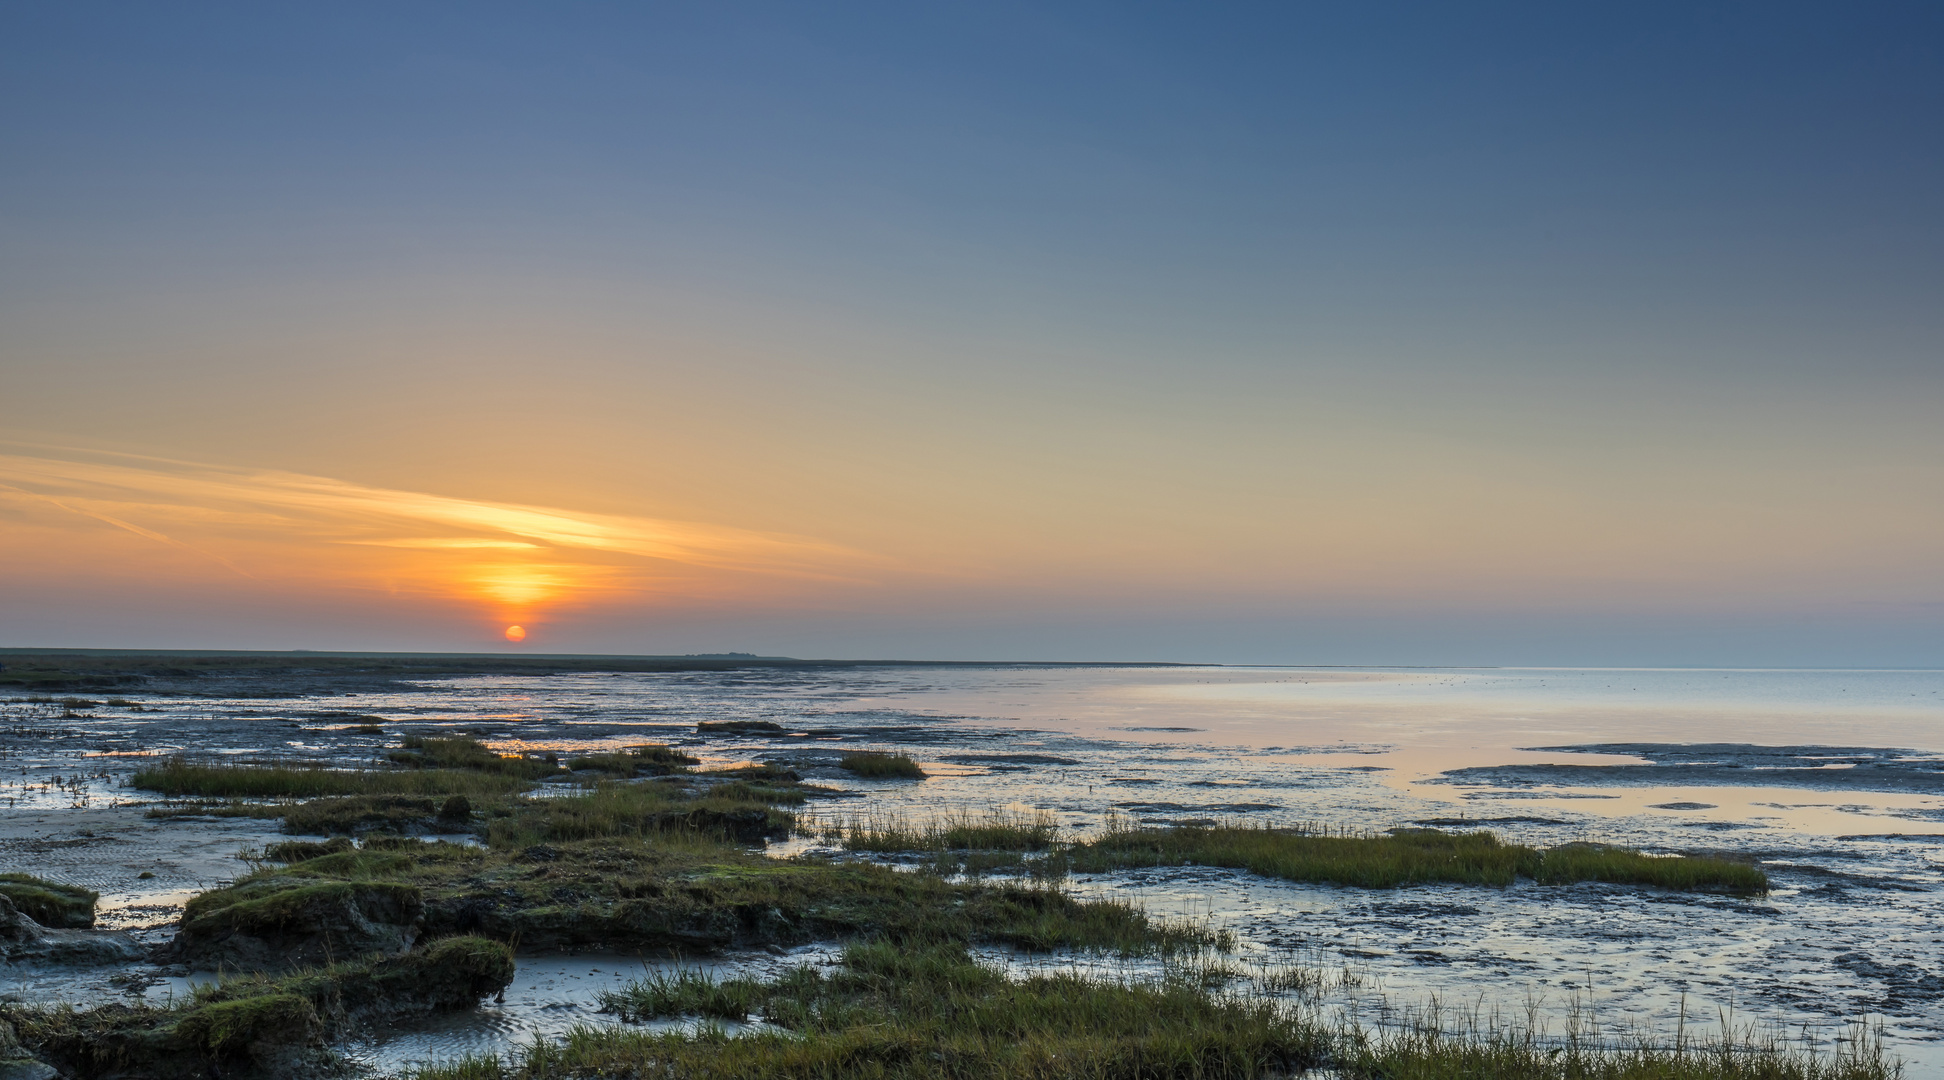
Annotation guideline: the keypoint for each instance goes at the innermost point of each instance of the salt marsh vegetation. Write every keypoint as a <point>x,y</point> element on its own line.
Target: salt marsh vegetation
<point>872,765</point>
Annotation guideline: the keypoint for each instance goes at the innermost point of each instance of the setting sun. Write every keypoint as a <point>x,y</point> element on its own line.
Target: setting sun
<point>516,633</point>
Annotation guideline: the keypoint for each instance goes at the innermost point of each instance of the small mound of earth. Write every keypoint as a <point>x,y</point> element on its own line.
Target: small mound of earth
<point>21,938</point>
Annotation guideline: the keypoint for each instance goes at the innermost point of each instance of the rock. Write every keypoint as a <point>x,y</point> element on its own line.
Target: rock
<point>281,924</point>
<point>23,939</point>
<point>26,1069</point>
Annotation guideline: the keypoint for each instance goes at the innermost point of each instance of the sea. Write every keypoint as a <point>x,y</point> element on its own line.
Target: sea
<point>1832,779</point>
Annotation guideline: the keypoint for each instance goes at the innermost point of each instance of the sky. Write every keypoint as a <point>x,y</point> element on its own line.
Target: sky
<point>1251,333</point>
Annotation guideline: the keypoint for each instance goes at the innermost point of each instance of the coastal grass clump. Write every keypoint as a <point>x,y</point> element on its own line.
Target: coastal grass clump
<point>1571,863</point>
<point>659,995</point>
<point>296,851</point>
<point>996,830</point>
<point>460,752</point>
<point>889,1012</point>
<point>733,811</point>
<point>180,777</point>
<point>50,903</point>
<point>1404,857</point>
<point>738,727</point>
<point>872,765</point>
<point>259,1026</point>
<point>1426,1049</point>
<point>684,890</point>
<point>930,1012</point>
<point>1411,857</point>
<point>651,760</point>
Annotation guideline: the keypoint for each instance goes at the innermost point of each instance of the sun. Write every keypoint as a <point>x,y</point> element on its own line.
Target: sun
<point>516,633</point>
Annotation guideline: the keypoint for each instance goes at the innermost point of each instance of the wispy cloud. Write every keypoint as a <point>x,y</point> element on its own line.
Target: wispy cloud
<point>143,495</point>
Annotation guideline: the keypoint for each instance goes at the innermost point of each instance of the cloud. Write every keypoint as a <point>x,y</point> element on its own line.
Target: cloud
<point>140,493</point>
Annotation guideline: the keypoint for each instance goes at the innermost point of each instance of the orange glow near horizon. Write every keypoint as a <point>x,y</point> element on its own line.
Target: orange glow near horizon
<point>186,521</point>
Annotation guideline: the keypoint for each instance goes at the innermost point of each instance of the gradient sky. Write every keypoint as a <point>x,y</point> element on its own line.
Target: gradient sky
<point>1302,333</point>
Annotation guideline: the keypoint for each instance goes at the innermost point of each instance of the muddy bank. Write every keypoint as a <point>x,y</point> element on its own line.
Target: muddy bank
<point>1823,768</point>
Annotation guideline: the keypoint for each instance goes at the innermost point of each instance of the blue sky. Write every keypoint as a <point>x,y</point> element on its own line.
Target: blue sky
<point>1142,304</point>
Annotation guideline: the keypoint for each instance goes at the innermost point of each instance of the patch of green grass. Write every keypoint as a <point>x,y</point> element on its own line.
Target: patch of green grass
<point>652,760</point>
<point>1423,1051</point>
<point>460,752</point>
<point>995,830</point>
<point>895,1013</point>
<point>875,766</point>
<point>179,777</point>
<point>738,727</point>
<point>49,903</point>
<point>296,851</point>
<point>1404,857</point>
<point>682,890</point>
<point>260,1025</point>
<point>683,993</point>
<point>1622,866</point>
<point>766,772</point>
<point>891,1011</point>
<point>730,811</point>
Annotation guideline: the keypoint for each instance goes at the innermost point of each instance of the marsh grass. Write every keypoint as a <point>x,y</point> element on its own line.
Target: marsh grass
<point>996,830</point>
<point>876,766</point>
<point>253,1024</point>
<point>459,752</point>
<point>1571,863</point>
<point>653,759</point>
<point>733,811</point>
<point>660,995</point>
<point>1403,857</point>
<point>49,903</point>
<point>179,777</point>
<point>1432,1045</point>
<point>738,727</point>
<point>894,1012</point>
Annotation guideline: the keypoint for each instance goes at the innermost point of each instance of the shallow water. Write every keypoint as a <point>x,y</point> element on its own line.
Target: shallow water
<point>1852,931</point>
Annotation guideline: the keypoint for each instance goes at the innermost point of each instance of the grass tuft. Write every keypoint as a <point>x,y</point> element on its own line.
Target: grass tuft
<point>178,777</point>
<point>652,760</point>
<point>459,752</point>
<point>1405,857</point>
<point>875,766</point>
<point>683,993</point>
<point>995,830</point>
<point>64,907</point>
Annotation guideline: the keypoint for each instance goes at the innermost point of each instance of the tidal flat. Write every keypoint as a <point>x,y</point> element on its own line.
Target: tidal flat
<point>1136,871</point>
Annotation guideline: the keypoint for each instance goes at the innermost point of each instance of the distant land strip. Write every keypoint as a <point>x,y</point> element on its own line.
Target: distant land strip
<point>192,671</point>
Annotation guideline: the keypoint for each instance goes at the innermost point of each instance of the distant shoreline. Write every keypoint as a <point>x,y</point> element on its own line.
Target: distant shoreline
<point>191,671</point>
